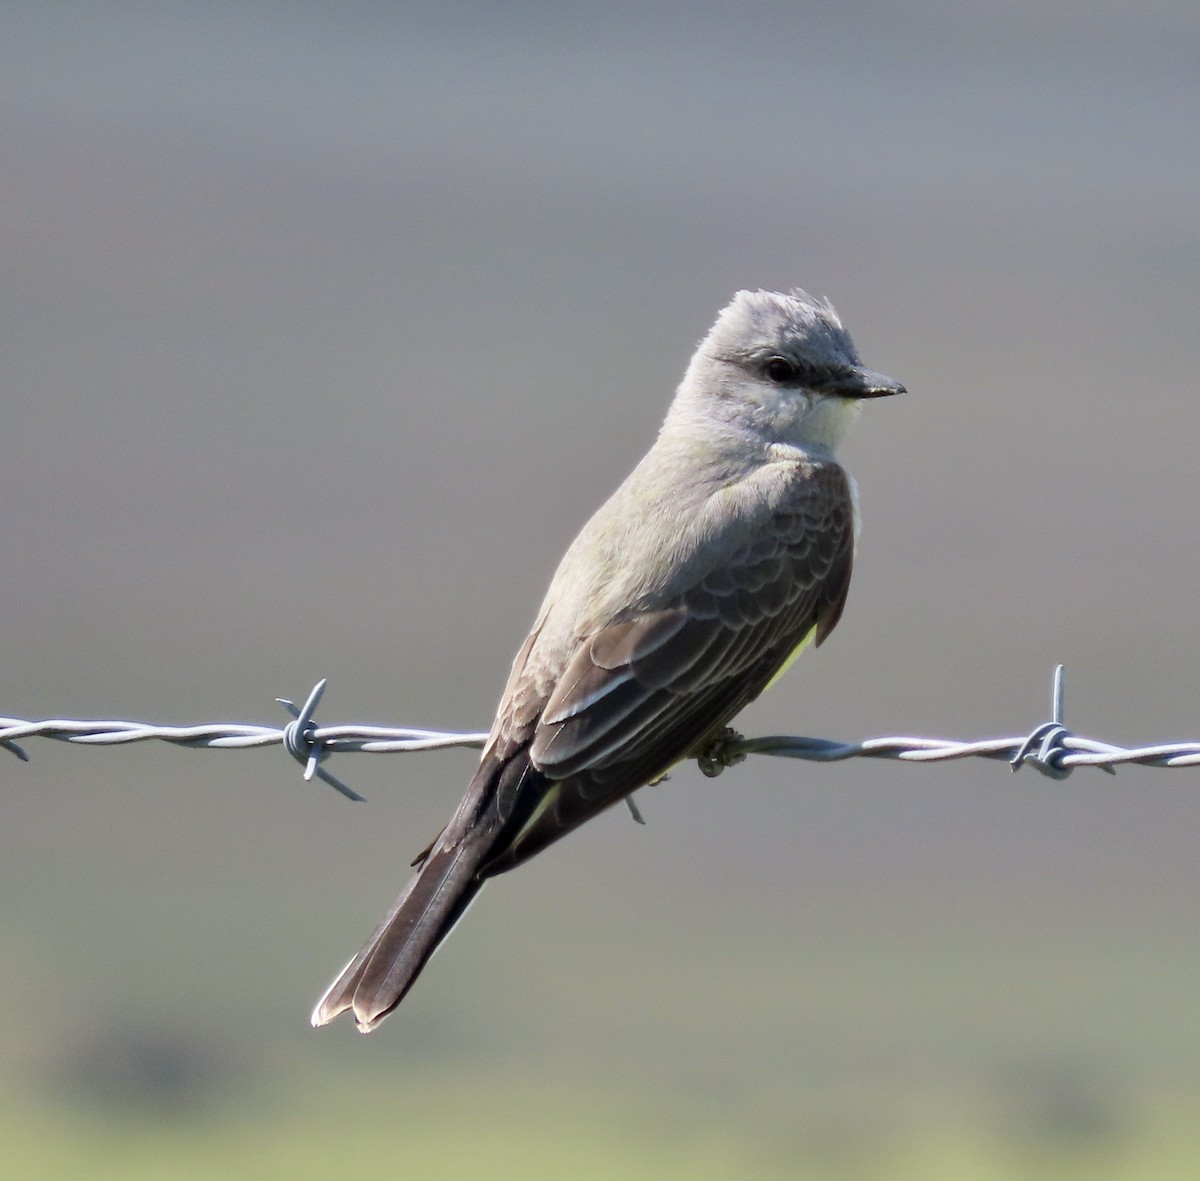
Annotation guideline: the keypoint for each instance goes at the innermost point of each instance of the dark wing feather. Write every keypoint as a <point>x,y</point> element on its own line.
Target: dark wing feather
<point>650,689</point>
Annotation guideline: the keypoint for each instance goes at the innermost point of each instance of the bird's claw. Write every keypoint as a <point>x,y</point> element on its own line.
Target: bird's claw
<point>720,752</point>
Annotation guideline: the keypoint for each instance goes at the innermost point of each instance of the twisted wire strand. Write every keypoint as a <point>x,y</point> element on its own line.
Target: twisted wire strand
<point>228,735</point>
<point>1050,748</point>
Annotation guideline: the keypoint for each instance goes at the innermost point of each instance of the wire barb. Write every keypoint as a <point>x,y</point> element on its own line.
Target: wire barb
<point>301,741</point>
<point>13,748</point>
<point>1048,738</point>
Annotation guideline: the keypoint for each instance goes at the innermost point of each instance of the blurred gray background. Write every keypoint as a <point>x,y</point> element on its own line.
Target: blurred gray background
<point>322,330</point>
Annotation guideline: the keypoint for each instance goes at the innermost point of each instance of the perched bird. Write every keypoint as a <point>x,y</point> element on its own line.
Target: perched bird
<point>726,550</point>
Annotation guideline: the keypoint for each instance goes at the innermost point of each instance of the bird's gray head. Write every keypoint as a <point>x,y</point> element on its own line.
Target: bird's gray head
<point>782,366</point>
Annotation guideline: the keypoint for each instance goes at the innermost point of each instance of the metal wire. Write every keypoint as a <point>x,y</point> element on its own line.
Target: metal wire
<point>1050,747</point>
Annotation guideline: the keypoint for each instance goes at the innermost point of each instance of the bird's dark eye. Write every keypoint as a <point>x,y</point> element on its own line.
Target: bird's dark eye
<point>779,370</point>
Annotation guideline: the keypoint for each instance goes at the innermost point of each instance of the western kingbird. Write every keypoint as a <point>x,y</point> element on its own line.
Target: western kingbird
<point>722,555</point>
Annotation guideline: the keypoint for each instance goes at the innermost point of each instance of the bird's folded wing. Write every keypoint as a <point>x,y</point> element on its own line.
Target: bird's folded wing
<point>641,693</point>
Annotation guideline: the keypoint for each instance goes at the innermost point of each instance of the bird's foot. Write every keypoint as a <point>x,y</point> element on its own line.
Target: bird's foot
<point>720,753</point>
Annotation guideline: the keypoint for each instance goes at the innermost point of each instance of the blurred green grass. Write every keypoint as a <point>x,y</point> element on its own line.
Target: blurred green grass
<point>445,1126</point>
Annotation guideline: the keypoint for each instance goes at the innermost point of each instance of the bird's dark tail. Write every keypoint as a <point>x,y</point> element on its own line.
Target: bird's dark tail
<point>377,979</point>
<point>500,799</point>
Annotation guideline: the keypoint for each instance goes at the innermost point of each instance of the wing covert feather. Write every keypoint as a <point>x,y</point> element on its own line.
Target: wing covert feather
<point>737,625</point>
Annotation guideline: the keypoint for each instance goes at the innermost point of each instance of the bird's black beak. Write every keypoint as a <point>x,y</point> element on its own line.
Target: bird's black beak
<point>862,383</point>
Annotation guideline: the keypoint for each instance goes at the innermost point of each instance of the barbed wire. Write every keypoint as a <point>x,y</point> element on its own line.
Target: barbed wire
<point>1050,747</point>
